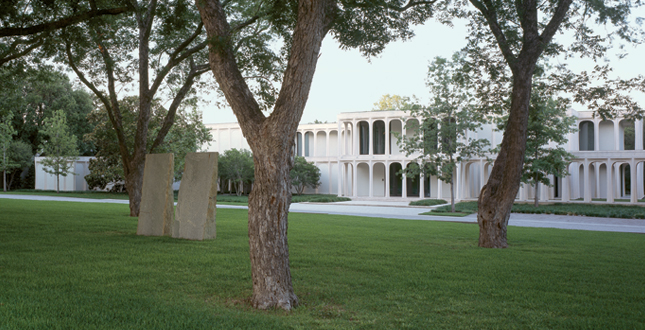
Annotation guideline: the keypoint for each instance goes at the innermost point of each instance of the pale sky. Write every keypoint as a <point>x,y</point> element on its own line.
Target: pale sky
<point>345,81</point>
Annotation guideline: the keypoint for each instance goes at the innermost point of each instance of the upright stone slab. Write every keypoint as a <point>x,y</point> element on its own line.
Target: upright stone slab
<point>195,218</point>
<point>157,199</point>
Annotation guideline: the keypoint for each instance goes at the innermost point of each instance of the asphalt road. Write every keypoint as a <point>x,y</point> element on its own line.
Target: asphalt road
<point>399,210</point>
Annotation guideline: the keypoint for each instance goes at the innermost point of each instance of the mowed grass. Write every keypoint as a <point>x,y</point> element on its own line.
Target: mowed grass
<point>227,199</point>
<point>81,266</point>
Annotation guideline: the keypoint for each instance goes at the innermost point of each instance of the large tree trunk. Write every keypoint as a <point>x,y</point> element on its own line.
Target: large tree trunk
<point>268,209</point>
<point>271,140</point>
<point>497,196</point>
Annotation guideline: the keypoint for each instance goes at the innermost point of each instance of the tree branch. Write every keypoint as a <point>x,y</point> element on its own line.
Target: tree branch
<point>169,120</point>
<point>174,60</point>
<point>50,26</point>
<point>491,18</point>
<point>8,56</point>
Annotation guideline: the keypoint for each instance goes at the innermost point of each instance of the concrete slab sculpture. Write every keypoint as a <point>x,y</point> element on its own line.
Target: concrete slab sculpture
<point>157,199</point>
<point>195,217</point>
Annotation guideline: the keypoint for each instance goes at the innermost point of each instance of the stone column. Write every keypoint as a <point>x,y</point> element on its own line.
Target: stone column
<point>371,176</point>
<point>387,179</point>
<point>354,179</point>
<point>587,192</point>
<point>634,188</point>
<point>617,145</point>
<point>566,193</point>
<point>387,137</point>
<point>404,182</point>
<point>370,137</point>
<point>638,134</point>
<point>596,135</point>
<point>422,184</point>
<point>610,181</point>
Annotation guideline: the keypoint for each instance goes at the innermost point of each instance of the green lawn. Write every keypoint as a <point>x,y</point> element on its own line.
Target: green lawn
<point>80,266</point>
<point>221,198</point>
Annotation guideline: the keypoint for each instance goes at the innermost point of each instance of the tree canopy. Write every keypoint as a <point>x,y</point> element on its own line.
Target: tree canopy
<point>28,25</point>
<point>236,166</point>
<point>188,134</point>
<point>59,148</point>
<point>33,94</point>
<point>304,174</point>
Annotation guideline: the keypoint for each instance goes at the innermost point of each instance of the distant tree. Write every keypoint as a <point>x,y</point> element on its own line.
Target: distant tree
<point>236,166</point>
<point>21,154</point>
<point>304,174</point>
<point>188,134</point>
<point>441,140</point>
<point>393,102</point>
<point>59,148</point>
<point>33,94</point>
<point>6,136</point>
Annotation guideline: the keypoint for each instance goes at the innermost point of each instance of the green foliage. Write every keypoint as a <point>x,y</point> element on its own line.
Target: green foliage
<point>59,149</point>
<point>395,102</point>
<point>428,202</point>
<point>441,141</point>
<point>497,46</point>
<point>188,134</point>
<point>304,174</point>
<point>6,135</point>
<point>33,94</point>
<point>351,272</point>
<point>21,155</point>
<point>236,166</point>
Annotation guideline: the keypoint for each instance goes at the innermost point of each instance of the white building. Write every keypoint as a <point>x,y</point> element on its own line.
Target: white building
<point>365,164</point>
<point>72,182</point>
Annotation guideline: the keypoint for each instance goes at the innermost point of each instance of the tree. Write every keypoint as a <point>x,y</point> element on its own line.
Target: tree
<point>6,136</point>
<point>393,102</point>
<point>521,33</point>
<point>236,166</point>
<point>302,26</point>
<point>304,174</point>
<point>442,139</point>
<point>59,148</point>
<point>33,94</point>
<point>26,25</point>
<point>159,43</point>
<point>547,131</point>
<point>188,134</point>
<point>20,153</point>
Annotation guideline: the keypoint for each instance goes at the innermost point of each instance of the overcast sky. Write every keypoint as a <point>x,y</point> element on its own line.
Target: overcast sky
<point>345,81</point>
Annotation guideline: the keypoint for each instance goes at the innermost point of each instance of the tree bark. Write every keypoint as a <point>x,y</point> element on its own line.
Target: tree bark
<point>271,139</point>
<point>268,210</point>
<point>134,184</point>
<point>497,196</point>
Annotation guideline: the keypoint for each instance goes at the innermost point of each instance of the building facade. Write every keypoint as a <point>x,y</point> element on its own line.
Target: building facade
<point>359,157</point>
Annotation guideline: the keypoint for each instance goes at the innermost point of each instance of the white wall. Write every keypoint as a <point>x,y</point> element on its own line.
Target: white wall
<point>71,182</point>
